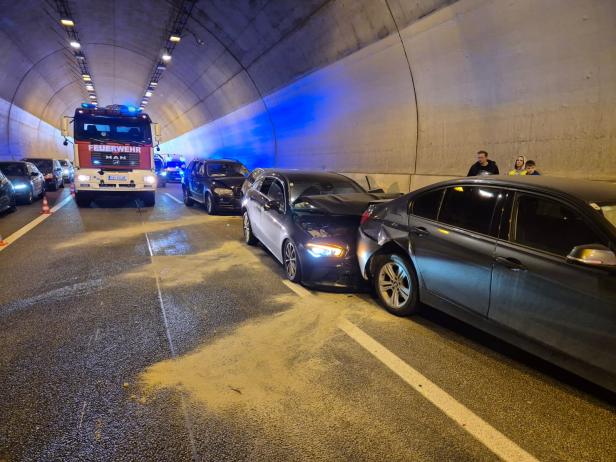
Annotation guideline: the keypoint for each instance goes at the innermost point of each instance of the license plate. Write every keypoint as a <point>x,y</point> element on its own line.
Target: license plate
<point>117,177</point>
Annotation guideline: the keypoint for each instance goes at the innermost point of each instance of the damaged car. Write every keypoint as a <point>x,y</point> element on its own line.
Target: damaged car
<point>309,222</point>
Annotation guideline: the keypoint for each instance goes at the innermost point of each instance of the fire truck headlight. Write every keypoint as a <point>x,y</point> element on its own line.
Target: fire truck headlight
<point>149,179</point>
<point>83,177</point>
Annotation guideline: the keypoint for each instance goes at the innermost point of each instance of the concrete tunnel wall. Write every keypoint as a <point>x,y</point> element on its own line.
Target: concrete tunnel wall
<point>536,78</point>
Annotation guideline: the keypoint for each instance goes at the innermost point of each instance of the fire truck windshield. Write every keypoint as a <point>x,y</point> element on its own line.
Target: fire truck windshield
<point>112,129</point>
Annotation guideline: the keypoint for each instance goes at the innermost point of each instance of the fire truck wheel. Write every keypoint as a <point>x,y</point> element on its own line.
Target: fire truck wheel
<point>149,199</point>
<point>82,199</point>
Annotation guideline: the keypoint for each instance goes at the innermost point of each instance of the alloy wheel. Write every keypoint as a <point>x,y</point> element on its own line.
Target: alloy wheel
<point>247,230</point>
<point>290,260</point>
<point>394,284</point>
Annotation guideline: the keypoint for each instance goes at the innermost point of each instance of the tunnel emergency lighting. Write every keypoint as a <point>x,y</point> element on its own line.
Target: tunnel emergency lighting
<point>153,84</point>
<point>75,44</point>
<point>148,94</point>
<point>86,77</point>
<point>166,57</point>
<point>67,22</point>
<point>90,87</point>
<point>175,38</point>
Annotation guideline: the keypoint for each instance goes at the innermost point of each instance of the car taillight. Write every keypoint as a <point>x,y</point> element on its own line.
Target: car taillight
<point>366,215</point>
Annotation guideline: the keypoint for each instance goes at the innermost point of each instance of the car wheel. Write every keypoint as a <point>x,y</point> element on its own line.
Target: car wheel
<point>209,204</point>
<point>82,199</point>
<point>188,201</point>
<point>395,283</point>
<point>249,237</point>
<point>290,261</point>
<point>29,197</point>
<point>62,184</point>
<point>53,187</point>
<point>149,199</point>
<point>13,204</point>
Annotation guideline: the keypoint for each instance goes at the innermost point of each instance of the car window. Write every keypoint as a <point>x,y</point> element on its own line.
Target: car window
<point>275,192</point>
<point>427,204</point>
<point>12,169</point>
<point>265,185</point>
<point>549,225</point>
<point>469,207</point>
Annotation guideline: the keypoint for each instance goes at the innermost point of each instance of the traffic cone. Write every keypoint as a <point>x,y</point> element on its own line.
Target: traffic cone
<point>72,189</point>
<point>45,210</point>
<point>3,242</point>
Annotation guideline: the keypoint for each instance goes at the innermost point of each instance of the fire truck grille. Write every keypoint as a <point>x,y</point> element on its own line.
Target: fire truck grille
<point>122,159</point>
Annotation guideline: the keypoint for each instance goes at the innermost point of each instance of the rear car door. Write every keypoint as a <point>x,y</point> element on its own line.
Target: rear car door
<point>195,172</point>
<point>454,250</point>
<point>254,204</point>
<point>36,178</point>
<point>569,307</point>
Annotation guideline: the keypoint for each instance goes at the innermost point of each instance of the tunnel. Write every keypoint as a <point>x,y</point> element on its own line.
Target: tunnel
<point>307,230</point>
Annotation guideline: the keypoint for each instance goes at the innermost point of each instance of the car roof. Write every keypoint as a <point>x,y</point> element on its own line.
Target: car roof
<point>584,190</point>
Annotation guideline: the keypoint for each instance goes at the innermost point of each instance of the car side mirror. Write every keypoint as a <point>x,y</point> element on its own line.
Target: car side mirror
<point>596,255</point>
<point>273,205</point>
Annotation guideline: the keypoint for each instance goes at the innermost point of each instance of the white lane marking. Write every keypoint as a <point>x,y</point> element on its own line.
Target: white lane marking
<point>83,412</point>
<point>187,419</point>
<point>299,290</point>
<point>494,440</point>
<point>172,197</point>
<point>33,224</point>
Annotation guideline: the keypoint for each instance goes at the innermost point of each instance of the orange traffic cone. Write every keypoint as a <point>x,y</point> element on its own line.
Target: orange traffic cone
<point>45,210</point>
<point>73,189</point>
<point>3,242</point>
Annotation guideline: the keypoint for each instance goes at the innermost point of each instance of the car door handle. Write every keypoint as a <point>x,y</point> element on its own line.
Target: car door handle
<point>512,263</point>
<point>419,231</point>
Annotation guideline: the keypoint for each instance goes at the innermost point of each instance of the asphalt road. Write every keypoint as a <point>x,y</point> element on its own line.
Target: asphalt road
<point>156,334</point>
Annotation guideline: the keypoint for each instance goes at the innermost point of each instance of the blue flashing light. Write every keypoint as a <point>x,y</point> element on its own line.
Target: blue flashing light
<point>88,106</point>
<point>131,109</point>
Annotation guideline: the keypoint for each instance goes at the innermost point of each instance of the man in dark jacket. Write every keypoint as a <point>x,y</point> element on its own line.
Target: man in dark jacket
<point>483,166</point>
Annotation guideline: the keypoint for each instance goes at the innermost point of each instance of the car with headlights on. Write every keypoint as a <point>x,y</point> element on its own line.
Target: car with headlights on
<point>7,195</point>
<point>51,170</point>
<point>159,170</point>
<point>174,170</point>
<point>531,260</point>
<point>28,182</point>
<point>215,183</point>
<point>68,171</point>
<point>309,221</point>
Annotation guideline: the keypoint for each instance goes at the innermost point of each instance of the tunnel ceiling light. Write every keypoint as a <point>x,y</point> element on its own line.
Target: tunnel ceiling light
<point>86,77</point>
<point>148,94</point>
<point>92,96</point>
<point>153,84</point>
<point>175,38</point>
<point>75,44</point>
<point>67,22</point>
<point>161,67</point>
<point>80,56</point>
<point>90,87</point>
<point>166,57</point>
<point>143,103</point>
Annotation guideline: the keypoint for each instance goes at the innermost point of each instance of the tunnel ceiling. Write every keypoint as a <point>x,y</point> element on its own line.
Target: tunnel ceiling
<point>231,52</point>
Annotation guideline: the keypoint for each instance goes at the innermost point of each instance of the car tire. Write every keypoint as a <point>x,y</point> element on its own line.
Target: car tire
<point>210,208</point>
<point>13,204</point>
<point>62,184</point>
<point>290,261</point>
<point>82,200</point>
<point>42,193</point>
<point>188,201</point>
<point>149,199</point>
<point>395,284</point>
<point>249,237</point>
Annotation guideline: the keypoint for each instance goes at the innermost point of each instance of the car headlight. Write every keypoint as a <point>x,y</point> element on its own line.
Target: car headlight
<point>223,191</point>
<point>49,176</point>
<point>149,179</point>
<point>20,186</point>
<point>325,250</point>
<point>65,171</point>
<point>163,173</point>
<point>83,177</point>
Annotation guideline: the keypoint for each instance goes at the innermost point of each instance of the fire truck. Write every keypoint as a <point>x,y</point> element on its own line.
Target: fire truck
<point>113,153</point>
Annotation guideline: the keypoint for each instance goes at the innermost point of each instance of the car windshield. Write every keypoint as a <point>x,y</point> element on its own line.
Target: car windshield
<point>228,169</point>
<point>10,169</point>
<point>316,186</point>
<point>609,212</point>
<point>44,165</point>
<point>64,163</point>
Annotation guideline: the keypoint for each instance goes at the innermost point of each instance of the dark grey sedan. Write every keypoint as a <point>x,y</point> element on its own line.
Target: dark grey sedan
<point>531,260</point>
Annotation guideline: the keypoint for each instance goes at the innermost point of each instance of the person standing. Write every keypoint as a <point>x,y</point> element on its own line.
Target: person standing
<point>530,168</point>
<point>518,167</point>
<point>483,166</point>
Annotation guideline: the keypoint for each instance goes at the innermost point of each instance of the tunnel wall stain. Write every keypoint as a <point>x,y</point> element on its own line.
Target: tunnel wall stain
<point>526,77</point>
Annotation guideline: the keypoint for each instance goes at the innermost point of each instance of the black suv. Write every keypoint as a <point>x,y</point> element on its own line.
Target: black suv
<point>215,183</point>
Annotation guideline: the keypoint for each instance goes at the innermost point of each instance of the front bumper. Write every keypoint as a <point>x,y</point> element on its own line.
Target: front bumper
<point>331,273</point>
<point>114,182</point>
<point>233,203</point>
<point>366,247</point>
